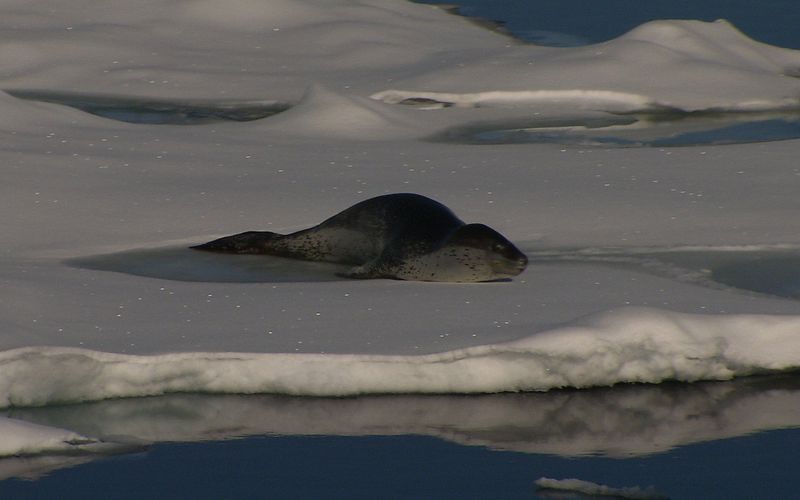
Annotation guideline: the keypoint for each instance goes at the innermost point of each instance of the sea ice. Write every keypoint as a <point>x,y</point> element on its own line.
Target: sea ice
<point>77,186</point>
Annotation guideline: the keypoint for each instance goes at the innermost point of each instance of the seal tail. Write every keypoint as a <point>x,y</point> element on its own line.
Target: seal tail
<point>247,242</point>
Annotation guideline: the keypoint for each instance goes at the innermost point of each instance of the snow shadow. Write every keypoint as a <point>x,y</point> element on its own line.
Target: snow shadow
<point>185,264</point>
<point>770,271</point>
<point>771,274</point>
<point>157,111</point>
<point>663,129</point>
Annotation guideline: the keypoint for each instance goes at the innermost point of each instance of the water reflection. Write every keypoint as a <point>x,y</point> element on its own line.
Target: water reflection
<point>157,111</point>
<point>623,421</point>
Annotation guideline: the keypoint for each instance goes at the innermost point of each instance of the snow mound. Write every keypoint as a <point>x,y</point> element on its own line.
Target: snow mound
<point>627,345</point>
<point>683,65</point>
<point>718,43</point>
<point>336,116</point>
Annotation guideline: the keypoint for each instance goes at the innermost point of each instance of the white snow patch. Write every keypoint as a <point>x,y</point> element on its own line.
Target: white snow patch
<point>637,345</point>
<point>589,488</point>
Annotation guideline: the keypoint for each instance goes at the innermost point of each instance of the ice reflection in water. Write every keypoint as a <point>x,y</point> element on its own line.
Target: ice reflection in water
<point>638,420</point>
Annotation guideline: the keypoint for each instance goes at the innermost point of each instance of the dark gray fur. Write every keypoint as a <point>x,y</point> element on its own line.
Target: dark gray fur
<point>382,236</point>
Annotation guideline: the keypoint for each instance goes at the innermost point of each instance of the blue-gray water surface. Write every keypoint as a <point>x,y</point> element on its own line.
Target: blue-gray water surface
<point>749,467</point>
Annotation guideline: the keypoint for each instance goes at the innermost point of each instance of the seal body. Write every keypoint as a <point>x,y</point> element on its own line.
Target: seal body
<point>400,236</point>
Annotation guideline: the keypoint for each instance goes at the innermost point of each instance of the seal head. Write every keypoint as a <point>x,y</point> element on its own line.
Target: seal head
<point>471,253</point>
<point>502,258</point>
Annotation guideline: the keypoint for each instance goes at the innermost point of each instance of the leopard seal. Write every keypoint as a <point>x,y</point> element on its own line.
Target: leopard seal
<point>399,236</point>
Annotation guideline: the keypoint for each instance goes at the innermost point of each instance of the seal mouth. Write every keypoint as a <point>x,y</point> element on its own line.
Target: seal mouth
<point>510,267</point>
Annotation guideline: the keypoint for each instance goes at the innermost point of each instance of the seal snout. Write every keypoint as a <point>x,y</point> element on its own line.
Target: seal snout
<point>510,265</point>
<point>520,264</point>
<point>517,259</point>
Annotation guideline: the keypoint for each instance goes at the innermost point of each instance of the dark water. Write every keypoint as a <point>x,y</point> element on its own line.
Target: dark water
<point>750,467</point>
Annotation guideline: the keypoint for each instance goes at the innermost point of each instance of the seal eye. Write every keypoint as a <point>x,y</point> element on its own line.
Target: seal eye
<point>498,247</point>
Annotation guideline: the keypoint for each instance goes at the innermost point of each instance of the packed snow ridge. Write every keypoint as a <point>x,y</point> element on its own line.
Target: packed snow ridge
<point>641,345</point>
<point>682,53</point>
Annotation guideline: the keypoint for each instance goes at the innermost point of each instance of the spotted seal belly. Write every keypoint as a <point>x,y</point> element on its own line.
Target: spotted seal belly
<point>400,236</point>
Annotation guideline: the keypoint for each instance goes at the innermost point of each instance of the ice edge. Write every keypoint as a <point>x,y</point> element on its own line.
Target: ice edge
<point>629,345</point>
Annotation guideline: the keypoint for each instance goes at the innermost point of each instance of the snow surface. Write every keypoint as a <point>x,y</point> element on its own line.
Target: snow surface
<point>78,188</point>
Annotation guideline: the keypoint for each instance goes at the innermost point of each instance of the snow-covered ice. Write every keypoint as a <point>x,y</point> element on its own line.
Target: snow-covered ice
<point>79,189</point>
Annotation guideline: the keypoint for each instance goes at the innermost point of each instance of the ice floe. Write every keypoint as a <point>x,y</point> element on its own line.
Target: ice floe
<point>97,210</point>
<point>639,345</point>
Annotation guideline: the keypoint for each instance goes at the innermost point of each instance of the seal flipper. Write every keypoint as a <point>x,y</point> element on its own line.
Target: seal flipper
<point>383,266</point>
<point>247,242</point>
<point>364,272</point>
